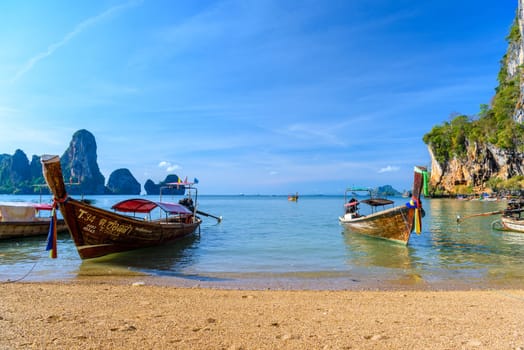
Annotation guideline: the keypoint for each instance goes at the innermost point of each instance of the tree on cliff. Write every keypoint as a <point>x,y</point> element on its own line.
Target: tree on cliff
<point>492,140</point>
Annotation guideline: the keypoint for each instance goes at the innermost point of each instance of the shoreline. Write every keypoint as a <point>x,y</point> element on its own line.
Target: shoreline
<point>130,314</point>
<point>307,281</point>
<point>281,283</point>
<point>133,313</point>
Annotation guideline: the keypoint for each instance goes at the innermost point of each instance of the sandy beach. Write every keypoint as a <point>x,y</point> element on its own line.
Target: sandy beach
<point>134,315</point>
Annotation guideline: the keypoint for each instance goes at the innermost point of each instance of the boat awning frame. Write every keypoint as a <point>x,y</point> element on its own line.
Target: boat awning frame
<point>141,205</point>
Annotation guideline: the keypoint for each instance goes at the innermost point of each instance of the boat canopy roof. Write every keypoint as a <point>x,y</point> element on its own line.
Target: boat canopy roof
<point>43,206</point>
<point>375,202</point>
<point>40,206</point>
<point>141,205</point>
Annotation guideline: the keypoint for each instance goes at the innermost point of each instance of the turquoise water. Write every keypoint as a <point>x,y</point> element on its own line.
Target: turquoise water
<point>269,242</point>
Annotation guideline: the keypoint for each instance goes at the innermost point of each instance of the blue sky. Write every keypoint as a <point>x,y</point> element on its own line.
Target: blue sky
<point>255,97</point>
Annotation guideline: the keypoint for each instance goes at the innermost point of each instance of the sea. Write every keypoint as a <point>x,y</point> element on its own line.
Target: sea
<point>268,242</point>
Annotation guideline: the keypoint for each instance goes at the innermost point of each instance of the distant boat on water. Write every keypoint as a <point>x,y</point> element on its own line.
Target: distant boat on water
<point>394,223</point>
<point>293,197</point>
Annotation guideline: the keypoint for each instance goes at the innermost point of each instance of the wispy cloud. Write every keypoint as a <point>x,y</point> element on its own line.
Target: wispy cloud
<point>168,166</point>
<point>82,26</point>
<point>313,131</point>
<point>389,169</point>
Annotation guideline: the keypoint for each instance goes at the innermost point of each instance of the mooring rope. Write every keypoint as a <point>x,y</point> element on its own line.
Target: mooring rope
<point>55,204</point>
<point>404,218</point>
<point>24,276</point>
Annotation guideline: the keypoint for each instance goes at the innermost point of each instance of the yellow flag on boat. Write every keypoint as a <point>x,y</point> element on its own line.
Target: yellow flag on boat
<point>418,221</point>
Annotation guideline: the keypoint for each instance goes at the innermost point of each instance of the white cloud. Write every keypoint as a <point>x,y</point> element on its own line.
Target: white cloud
<point>168,166</point>
<point>389,169</point>
<point>173,168</point>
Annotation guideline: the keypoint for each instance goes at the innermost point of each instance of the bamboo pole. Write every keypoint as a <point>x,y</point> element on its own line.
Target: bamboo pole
<point>459,218</point>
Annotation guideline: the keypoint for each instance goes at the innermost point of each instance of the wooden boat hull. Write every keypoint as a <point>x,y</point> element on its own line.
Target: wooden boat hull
<point>17,229</point>
<point>394,224</point>
<point>98,232</point>
<point>512,224</point>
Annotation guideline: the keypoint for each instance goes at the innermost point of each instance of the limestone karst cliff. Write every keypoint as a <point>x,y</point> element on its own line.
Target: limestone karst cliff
<point>15,173</point>
<point>472,152</point>
<point>18,175</point>
<point>482,162</point>
<point>154,189</point>
<point>79,165</point>
<point>121,181</point>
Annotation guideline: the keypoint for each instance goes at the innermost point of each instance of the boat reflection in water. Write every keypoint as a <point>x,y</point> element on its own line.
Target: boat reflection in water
<point>387,264</point>
<point>168,260</point>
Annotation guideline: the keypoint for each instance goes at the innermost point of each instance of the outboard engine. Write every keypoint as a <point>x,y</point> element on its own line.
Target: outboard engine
<point>188,203</point>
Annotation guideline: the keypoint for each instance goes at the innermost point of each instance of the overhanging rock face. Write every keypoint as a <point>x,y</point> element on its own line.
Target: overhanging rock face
<point>482,162</point>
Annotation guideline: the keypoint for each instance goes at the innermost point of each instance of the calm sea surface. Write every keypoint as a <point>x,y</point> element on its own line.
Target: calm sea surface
<point>269,242</point>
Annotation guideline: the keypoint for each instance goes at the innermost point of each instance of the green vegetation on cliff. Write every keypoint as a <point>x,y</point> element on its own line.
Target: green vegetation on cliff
<point>493,125</point>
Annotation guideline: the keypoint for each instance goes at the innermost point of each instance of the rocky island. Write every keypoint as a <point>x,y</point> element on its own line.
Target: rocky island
<point>485,152</point>
<point>18,175</point>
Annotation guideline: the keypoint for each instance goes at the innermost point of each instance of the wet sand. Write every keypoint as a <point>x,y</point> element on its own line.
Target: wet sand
<point>133,315</point>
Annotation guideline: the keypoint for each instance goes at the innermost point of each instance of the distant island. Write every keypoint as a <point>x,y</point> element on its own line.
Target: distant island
<point>18,175</point>
<point>387,191</point>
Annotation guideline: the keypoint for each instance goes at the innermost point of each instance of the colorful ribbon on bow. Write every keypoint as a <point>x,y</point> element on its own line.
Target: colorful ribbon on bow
<point>425,181</point>
<point>52,235</point>
<point>415,204</point>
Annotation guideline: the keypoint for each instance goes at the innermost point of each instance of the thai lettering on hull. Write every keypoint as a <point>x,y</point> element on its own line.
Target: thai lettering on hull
<point>93,223</point>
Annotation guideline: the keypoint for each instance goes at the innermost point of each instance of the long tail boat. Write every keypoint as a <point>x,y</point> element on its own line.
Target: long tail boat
<point>293,197</point>
<point>24,219</point>
<point>512,218</point>
<point>98,232</point>
<point>394,223</point>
